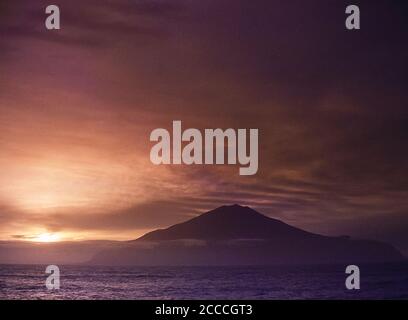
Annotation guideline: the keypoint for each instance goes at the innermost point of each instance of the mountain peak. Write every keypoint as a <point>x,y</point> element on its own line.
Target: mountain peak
<point>227,223</point>
<point>232,210</point>
<point>235,205</point>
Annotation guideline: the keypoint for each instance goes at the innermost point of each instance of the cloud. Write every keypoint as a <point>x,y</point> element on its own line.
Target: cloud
<point>94,24</point>
<point>148,215</point>
<point>77,108</point>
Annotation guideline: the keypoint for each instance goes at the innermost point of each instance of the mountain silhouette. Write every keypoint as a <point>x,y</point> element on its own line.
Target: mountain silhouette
<point>237,235</point>
<point>229,222</point>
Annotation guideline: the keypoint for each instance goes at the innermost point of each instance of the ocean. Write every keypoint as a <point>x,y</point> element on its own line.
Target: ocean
<point>387,281</point>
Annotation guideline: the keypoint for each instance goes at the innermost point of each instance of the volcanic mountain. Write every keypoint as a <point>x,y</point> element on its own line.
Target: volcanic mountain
<point>226,223</point>
<point>236,235</point>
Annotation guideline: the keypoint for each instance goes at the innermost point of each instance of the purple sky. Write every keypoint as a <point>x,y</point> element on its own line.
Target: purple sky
<point>77,107</point>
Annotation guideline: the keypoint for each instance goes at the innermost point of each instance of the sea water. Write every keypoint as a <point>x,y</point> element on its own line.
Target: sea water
<point>387,281</point>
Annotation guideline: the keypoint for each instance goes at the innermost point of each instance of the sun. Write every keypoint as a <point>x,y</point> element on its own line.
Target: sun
<point>47,237</point>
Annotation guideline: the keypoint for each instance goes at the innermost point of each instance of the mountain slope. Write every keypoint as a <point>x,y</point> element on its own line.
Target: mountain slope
<point>229,222</point>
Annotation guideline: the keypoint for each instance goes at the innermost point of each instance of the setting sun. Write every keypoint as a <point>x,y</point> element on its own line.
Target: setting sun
<point>47,237</point>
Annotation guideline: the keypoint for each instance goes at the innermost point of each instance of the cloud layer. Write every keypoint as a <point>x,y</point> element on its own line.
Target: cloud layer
<point>77,107</point>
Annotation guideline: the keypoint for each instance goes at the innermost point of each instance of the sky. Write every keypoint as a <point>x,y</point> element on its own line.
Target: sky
<point>77,107</point>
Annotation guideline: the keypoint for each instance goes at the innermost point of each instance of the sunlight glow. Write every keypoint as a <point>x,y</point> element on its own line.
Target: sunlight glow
<point>47,237</point>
